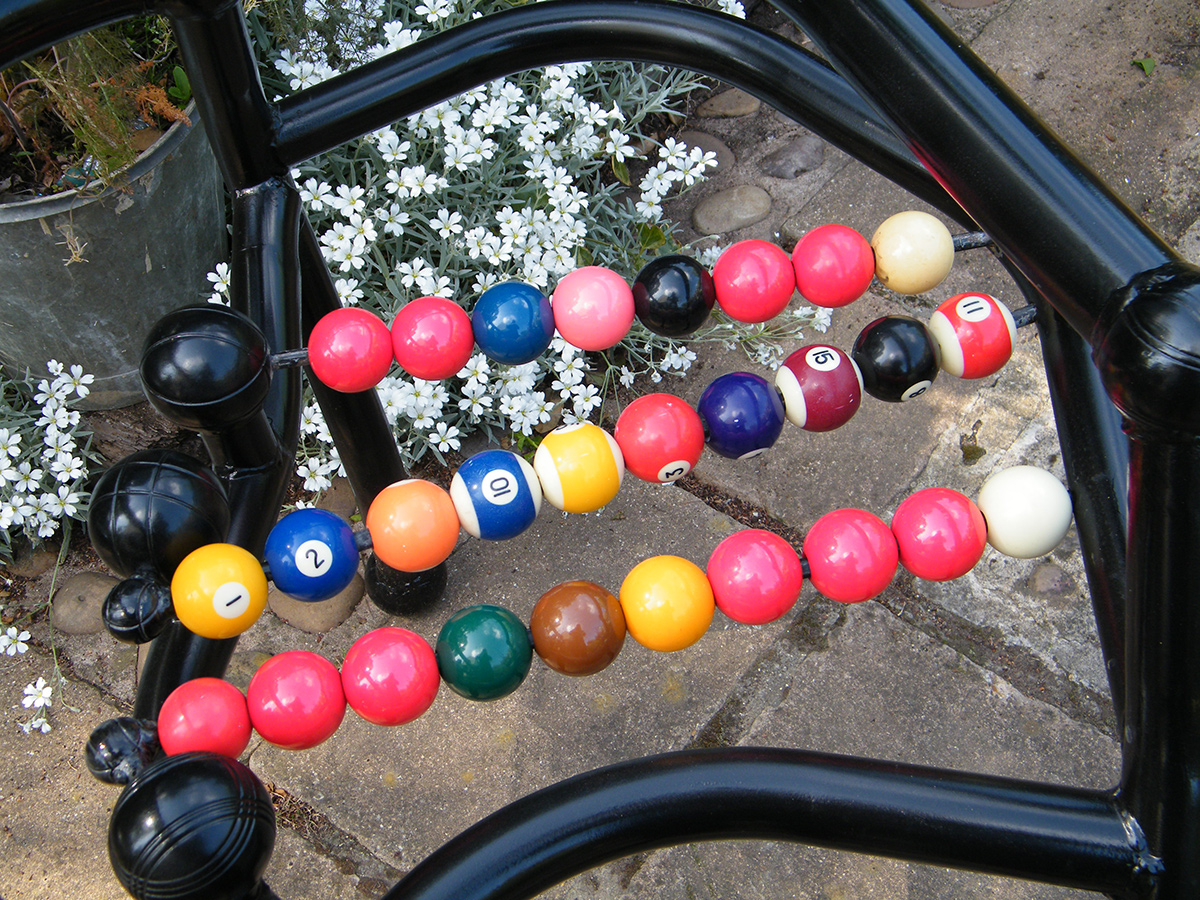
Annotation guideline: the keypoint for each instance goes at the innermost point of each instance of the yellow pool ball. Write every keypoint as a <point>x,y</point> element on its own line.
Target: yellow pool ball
<point>579,467</point>
<point>668,603</point>
<point>219,590</point>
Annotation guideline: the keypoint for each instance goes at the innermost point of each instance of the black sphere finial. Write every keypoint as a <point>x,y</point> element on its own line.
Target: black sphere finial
<point>119,749</point>
<point>206,367</point>
<point>197,826</point>
<point>154,508</point>
<point>137,609</point>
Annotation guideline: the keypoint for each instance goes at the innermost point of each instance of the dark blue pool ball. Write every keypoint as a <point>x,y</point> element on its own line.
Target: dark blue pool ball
<point>513,323</point>
<point>496,495</point>
<point>742,415</point>
<point>311,554</point>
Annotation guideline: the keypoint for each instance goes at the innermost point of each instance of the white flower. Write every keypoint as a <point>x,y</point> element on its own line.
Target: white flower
<point>38,695</point>
<point>28,478</point>
<point>348,291</point>
<point>586,398</point>
<point>476,369</point>
<point>446,437</point>
<point>393,219</point>
<point>67,467</point>
<point>317,194</point>
<point>434,10</point>
<point>626,377</point>
<point>349,199</point>
<point>219,278</point>
<point>12,642</point>
<point>79,381</point>
<point>10,444</point>
<point>314,480</point>
<point>447,223</point>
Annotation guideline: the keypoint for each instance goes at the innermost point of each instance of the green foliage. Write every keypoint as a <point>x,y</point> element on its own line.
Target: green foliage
<point>1146,64</point>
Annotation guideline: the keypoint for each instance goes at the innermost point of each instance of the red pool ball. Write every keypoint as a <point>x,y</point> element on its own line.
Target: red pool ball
<point>350,350</point>
<point>975,334</point>
<point>204,714</point>
<point>296,700</point>
<point>852,555</point>
<point>660,436</point>
<point>833,265</point>
<point>755,576</point>
<point>754,281</point>
<point>940,534</point>
<point>432,338</point>
<point>821,387</point>
<point>390,676</point>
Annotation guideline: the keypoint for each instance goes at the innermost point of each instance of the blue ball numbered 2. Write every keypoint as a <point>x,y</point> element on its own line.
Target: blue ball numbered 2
<point>311,554</point>
<point>496,494</point>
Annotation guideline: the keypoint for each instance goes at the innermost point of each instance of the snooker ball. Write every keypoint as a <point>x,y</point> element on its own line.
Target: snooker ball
<point>219,590</point>
<point>432,338</point>
<point>484,652</point>
<point>755,575</point>
<point>821,387</point>
<point>1027,510</point>
<point>940,534</point>
<point>593,308</point>
<point>390,676</point>
<point>661,437</point>
<point>496,494</point>
<point>311,554</point>
<point>668,603</point>
<point>513,323</point>
<point>833,266</point>
<point>350,350</point>
<point>754,281</point>
<point>204,714</point>
<point>413,525</point>
<point>579,467</point>
<point>296,700</point>
<point>578,628</point>
<point>742,413</point>
<point>975,334</point>
<point>673,295</point>
<point>852,555</point>
<point>897,357</point>
<point>914,252</point>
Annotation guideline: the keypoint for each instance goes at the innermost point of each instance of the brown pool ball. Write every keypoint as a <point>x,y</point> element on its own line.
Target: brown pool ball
<point>578,628</point>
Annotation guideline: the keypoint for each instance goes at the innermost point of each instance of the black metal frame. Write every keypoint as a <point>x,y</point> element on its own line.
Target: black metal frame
<point>1119,323</point>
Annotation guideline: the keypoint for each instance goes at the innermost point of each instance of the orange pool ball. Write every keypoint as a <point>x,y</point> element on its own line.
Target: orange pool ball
<point>668,603</point>
<point>413,525</point>
<point>219,590</point>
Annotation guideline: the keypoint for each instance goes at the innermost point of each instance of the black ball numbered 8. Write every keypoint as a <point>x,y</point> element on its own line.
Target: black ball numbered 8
<point>898,358</point>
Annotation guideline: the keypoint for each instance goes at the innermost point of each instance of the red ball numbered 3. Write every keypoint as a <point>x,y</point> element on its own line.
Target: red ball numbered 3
<point>755,575</point>
<point>940,534</point>
<point>754,281</point>
<point>432,338</point>
<point>975,334</point>
<point>350,350</point>
<point>661,437</point>
<point>852,555</point>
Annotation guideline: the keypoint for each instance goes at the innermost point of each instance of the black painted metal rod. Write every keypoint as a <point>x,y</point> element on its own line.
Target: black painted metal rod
<point>1060,835</point>
<point>792,80</point>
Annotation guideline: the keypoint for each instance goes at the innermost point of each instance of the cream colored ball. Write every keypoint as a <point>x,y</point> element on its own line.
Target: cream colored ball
<point>1027,510</point>
<point>913,252</point>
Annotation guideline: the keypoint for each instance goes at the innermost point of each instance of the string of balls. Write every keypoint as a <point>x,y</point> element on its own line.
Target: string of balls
<point>391,675</point>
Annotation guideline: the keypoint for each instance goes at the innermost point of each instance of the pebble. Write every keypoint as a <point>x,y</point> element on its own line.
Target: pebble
<point>709,144</point>
<point>339,499</point>
<point>77,606</point>
<point>321,616</point>
<point>728,105</point>
<point>794,158</point>
<point>729,210</point>
<point>33,563</point>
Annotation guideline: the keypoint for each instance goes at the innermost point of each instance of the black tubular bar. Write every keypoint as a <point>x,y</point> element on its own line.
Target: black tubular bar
<point>1066,836</point>
<point>901,89</point>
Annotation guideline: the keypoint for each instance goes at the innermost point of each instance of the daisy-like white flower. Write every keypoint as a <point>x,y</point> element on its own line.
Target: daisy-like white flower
<point>445,437</point>
<point>38,695</point>
<point>12,641</point>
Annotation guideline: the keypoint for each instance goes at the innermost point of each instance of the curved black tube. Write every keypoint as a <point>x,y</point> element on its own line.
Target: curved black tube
<point>32,25</point>
<point>1066,836</point>
<point>794,81</point>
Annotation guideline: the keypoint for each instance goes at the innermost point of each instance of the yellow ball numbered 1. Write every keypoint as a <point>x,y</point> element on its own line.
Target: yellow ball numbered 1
<point>668,603</point>
<point>219,590</point>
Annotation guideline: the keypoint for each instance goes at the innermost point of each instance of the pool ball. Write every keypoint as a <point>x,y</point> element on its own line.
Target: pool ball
<point>413,525</point>
<point>390,676</point>
<point>432,338</point>
<point>496,495</point>
<point>1027,510</point>
<point>940,533</point>
<point>593,308</point>
<point>513,323</point>
<point>219,591</point>
<point>578,628</point>
<point>660,436</point>
<point>755,575</point>
<point>484,652</point>
<point>311,554</point>
<point>897,357</point>
<point>742,413</point>
<point>852,555</point>
<point>833,266</point>
<point>914,252</point>
<point>296,700</point>
<point>579,467</point>
<point>754,281</point>
<point>673,295</point>
<point>350,350</point>
<point>667,602</point>
<point>975,334</point>
<point>207,714</point>
<point>821,387</point>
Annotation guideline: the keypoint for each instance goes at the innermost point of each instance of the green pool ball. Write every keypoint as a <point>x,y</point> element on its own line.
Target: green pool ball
<point>484,652</point>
